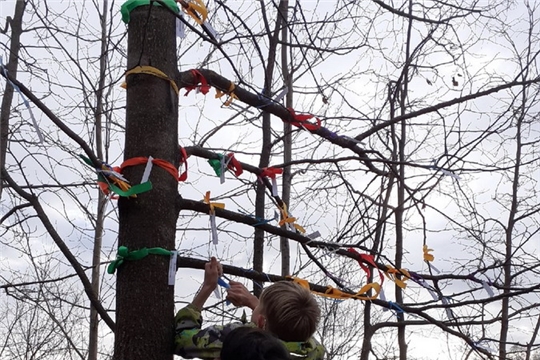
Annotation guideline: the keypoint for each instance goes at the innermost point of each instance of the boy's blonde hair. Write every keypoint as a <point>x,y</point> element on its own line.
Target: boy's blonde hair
<point>291,312</point>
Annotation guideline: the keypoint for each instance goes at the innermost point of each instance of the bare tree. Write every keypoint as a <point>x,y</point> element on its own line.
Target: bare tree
<point>413,124</point>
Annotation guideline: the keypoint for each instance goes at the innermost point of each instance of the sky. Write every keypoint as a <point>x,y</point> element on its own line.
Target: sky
<point>361,97</point>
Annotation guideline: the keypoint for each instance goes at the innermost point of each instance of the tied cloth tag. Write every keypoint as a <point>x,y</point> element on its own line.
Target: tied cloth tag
<point>314,235</point>
<point>271,172</point>
<point>180,28</point>
<point>382,296</point>
<point>147,170</point>
<point>212,31</point>
<point>449,312</point>
<point>488,289</point>
<point>224,163</point>
<point>172,267</point>
<point>282,94</point>
<point>213,228</point>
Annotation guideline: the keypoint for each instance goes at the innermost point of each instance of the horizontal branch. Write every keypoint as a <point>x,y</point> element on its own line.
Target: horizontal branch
<point>187,79</point>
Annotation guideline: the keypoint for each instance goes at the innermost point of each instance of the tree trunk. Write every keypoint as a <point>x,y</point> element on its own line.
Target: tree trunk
<point>287,136</point>
<point>144,300</point>
<point>13,61</point>
<point>93,337</point>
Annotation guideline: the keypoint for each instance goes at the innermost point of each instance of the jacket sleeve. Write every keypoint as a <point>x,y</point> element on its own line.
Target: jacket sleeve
<point>193,342</point>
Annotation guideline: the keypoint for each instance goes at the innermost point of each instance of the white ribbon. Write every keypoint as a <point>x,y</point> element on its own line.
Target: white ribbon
<point>172,267</point>
<point>147,170</point>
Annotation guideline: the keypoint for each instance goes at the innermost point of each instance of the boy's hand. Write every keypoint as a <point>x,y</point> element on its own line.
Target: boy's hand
<point>212,271</point>
<point>239,295</point>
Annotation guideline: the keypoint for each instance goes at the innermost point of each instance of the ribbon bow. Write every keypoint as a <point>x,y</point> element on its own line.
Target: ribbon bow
<point>196,10</point>
<point>394,273</point>
<point>334,293</point>
<point>427,256</point>
<point>285,219</point>
<point>229,92</point>
<point>124,254</point>
<point>212,205</point>
<point>204,87</point>
<point>368,258</point>
<point>300,120</point>
<point>271,173</point>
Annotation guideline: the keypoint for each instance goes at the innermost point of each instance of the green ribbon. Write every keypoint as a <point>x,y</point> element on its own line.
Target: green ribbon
<point>129,5</point>
<point>216,164</point>
<point>133,190</point>
<point>125,254</point>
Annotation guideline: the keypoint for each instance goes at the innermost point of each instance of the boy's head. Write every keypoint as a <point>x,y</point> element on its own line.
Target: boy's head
<point>248,343</point>
<point>288,311</point>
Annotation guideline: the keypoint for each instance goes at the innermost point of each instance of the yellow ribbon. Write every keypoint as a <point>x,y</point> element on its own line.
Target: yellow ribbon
<point>150,70</point>
<point>285,219</point>
<point>230,92</point>
<point>212,205</point>
<point>427,256</point>
<point>196,10</point>
<point>334,293</point>
<point>393,274</point>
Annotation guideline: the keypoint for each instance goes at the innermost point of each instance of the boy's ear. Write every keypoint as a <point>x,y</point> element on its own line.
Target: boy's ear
<point>261,321</point>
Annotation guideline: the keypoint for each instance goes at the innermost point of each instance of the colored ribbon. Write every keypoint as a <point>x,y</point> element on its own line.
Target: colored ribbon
<point>150,70</point>
<point>334,293</point>
<point>300,120</point>
<point>290,221</point>
<point>111,179</point>
<point>196,10</point>
<point>368,258</point>
<point>124,254</point>
<point>129,5</point>
<point>183,160</point>
<point>271,173</point>
<point>212,213</point>
<point>140,160</point>
<point>427,256</point>
<point>393,274</point>
<point>25,102</point>
<point>212,205</point>
<point>230,93</point>
<point>203,88</point>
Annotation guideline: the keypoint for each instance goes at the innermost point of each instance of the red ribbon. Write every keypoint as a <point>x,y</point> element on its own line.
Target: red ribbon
<point>300,120</point>
<point>234,165</point>
<point>271,172</point>
<point>204,87</point>
<point>183,159</point>
<point>368,259</point>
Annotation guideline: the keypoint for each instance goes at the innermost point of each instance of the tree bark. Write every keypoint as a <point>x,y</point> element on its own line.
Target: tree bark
<point>13,62</point>
<point>93,337</point>
<point>144,300</point>
<point>287,135</point>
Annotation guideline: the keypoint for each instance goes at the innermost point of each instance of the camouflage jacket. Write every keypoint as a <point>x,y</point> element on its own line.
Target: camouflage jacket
<point>193,342</point>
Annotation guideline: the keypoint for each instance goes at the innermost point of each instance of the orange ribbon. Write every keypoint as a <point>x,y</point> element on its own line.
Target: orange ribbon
<point>427,256</point>
<point>230,93</point>
<point>300,120</point>
<point>285,219</point>
<point>212,205</point>
<point>394,273</point>
<point>195,9</point>
<point>141,160</point>
<point>334,293</point>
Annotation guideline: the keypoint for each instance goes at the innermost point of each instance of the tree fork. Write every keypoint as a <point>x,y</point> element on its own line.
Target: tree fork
<point>144,300</point>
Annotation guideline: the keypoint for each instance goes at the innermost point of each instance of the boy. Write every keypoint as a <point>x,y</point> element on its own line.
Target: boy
<point>285,309</point>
